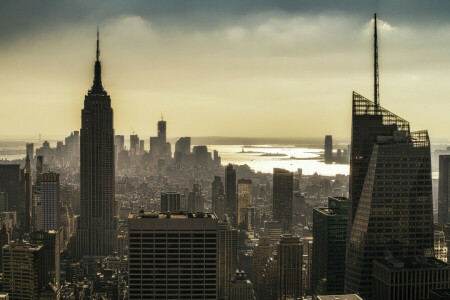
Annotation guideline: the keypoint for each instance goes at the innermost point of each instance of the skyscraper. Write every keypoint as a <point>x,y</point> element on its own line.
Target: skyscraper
<point>170,202</point>
<point>391,209</point>
<point>230,194</point>
<point>134,144</point>
<point>23,271</point>
<point>261,253</point>
<point>30,150</point>
<point>282,198</point>
<point>15,186</point>
<point>159,147</point>
<point>49,200</point>
<point>244,200</point>
<point>329,234</point>
<point>226,257</point>
<point>328,149</point>
<point>50,241</point>
<point>98,224</point>
<point>173,256</point>
<point>444,190</point>
<point>289,258</point>
<point>391,190</point>
<point>119,141</point>
<point>196,202</point>
<point>217,201</point>
<point>241,288</point>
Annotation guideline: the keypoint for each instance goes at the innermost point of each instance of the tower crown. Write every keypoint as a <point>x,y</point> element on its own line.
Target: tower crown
<point>97,87</point>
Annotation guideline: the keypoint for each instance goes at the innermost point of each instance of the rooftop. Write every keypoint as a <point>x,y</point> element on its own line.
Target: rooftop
<point>172,215</point>
<point>340,297</point>
<point>412,263</point>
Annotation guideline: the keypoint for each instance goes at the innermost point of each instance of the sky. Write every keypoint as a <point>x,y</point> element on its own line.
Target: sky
<point>254,68</point>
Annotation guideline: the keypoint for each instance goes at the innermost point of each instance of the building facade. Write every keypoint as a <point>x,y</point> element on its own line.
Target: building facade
<point>409,278</point>
<point>22,271</point>
<point>329,234</point>
<point>283,197</point>
<point>49,201</point>
<point>244,201</point>
<point>170,202</point>
<point>173,256</point>
<point>444,190</point>
<point>393,193</point>
<point>231,194</point>
<point>289,259</point>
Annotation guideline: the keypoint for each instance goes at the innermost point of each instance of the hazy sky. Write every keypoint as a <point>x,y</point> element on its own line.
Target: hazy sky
<point>223,68</point>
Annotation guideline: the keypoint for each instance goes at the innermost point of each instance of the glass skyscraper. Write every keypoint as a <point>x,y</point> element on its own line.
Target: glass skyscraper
<point>391,194</point>
<point>329,235</point>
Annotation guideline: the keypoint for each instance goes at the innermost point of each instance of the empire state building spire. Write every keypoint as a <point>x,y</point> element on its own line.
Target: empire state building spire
<point>97,87</point>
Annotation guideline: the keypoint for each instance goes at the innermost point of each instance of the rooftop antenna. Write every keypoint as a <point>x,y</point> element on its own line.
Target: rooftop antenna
<point>98,44</point>
<point>162,117</point>
<point>376,85</point>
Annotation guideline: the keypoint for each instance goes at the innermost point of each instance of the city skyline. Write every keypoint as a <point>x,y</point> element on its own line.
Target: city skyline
<point>272,56</point>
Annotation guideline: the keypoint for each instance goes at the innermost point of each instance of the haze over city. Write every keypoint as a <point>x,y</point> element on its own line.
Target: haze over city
<point>215,68</point>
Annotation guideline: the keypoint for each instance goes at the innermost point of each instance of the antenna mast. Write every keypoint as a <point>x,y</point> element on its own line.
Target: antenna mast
<point>376,90</point>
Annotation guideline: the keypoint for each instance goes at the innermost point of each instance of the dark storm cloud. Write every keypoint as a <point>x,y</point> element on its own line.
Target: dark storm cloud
<point>30,17</point>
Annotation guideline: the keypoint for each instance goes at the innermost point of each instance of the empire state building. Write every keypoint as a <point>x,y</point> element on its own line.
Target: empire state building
<point>97,233</point>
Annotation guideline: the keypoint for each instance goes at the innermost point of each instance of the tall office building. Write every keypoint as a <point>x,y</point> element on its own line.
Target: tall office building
<point>183,145</point>
<point>170,202</point>
<point>201,155</point>
<point>241,288</point>
<point>173,256</point>
<point>329,234</point>
<point>10,176</point>
<point>119,141</point>
<point>159,147</point>
<point>134,144</point>
<point>162,130</point>
<point>289,258</point>
<point>274,230</point>
<point>391,192</point>
<point>50,241</point>
<point>412,278</point>
<point>282,198</point>
<point>49,201</point>
<point>30,150</point>
<point>141,147</point>
<point>391,209</point>
<point>226,257</point>
<point>328,149</point>
<point>23,271</point>
<point>217,195</point>
<point>182,150</point>
<point>97,233</point>
<point>230,194</point>
<point>244,201</point>
<point>444,190</point>
<point>196,202</point>
<point>261,253</point>
<point>15,186</point>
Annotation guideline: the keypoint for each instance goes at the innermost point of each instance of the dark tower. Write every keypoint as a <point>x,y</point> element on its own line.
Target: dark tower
<point>391,210</point>
<point>98,224</point>
<point>282,197</point>
<point>231,194</point>
<point>162,131</point>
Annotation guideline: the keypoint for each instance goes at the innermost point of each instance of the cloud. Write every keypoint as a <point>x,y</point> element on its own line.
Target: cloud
<point>243,68</point>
